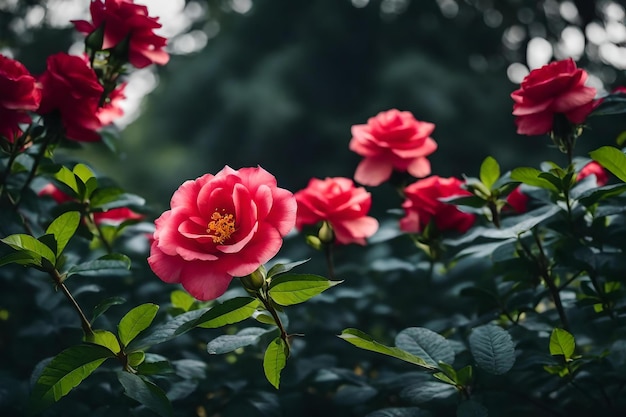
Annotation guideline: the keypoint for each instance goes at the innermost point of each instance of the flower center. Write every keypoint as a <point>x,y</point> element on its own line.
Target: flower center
<point>221,227</point>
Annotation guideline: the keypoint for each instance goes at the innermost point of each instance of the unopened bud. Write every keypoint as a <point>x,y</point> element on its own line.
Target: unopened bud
<point>326,233</point>
<point>314,242</point>
<point>95,39</point>
<point>255,280</point>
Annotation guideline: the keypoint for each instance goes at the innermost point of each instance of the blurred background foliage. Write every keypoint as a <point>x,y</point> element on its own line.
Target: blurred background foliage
<point>279,83</point>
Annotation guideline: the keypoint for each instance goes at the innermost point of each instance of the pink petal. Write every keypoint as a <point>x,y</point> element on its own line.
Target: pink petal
<point>203,281</point>
<point>373,172</point>
<point>166,267</point>
<point>419,168</point>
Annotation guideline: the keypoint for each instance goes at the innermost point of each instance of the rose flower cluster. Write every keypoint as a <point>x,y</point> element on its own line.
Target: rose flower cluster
<point>229,224</point>
<point>70,95</point>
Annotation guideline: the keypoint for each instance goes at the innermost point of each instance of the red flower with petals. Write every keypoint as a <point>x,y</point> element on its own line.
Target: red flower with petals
<point>392,140</point>
<point>221,226</point>
<point>20,94</point>
<point>340,203</point>
<point>122,20</point>
<point>556,88</point>
<point>517,200</point>
<point>71,89</point>
<point>423,204</point>
<point>112,108</point>
<point>111,216</point>
<point>594,168</point>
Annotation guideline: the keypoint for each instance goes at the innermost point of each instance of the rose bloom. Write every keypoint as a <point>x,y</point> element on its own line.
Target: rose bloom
<point>111,216</point>
<point>517,200</point>
<point>555,88</point>
<point>594,168</point>
<point>71,89</point>
<point>221,226</point>
<point>340,203</point>
<point>20,94</point>
<point>423,205</point>
<point>123,19</point>
<point>112,108</point>
<point>392,140</point>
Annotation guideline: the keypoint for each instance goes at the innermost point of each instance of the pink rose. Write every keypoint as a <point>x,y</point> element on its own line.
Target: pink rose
<point>517,200</point>
<point>392,140</point>
<point>122,20</point>
<point>423,204</point>
<point>594,168</point>
<point>20,94</point>
<point>340,203</point>
<point>556,88</point>
<point>72,91</point>
<point>111,216</point>
<point>221,226</point>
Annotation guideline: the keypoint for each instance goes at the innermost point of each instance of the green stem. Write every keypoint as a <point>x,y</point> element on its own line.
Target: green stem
<point>495,216</point>
<point>328,252</point>
<point>58,280</point>
<point>33,171</point>
<point>268,306</point>
<point>547,278</point>
<point>107,245</point>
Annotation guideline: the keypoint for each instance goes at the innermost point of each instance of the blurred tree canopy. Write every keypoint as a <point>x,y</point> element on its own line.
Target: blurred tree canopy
<point>282,82</point>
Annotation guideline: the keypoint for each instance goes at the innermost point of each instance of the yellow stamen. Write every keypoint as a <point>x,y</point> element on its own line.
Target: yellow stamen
<point>221,227</point>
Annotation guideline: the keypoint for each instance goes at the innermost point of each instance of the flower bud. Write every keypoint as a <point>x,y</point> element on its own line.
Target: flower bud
<point>326,234</point>
<point>95,39</point>
<point>255,280</point>
<point>314,242</point>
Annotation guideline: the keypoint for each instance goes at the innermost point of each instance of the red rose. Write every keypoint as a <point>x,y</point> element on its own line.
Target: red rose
<point>340,203</point>
<point>111,216</point>
<point>392,140</point>
<point>594,168</point>
<point>72,89</point>
<point>556,88</point>
<point>221,226</point>
<point>20,93</point>
<point>121,20</point>
<point>517,201</point>
<point>423,204</point>
<point>112,108</point>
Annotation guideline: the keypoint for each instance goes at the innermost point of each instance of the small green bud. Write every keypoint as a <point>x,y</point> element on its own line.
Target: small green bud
<point>314,242</point>
<point>95,39</point>
<point>255,280</point>
<point>326,233</point>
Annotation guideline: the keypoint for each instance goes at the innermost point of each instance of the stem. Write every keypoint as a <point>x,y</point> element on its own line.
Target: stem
<point>328,252</point>
<point>58,280</point>
<point>268,306</point>
<point>547,277</point>
<point>90,217</point>
<point>31,175</point>
<point>495,216</point>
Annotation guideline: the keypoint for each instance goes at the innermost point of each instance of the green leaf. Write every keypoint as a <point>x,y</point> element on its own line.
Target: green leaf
<point>104,195</point>
<point>104,305</point>
<point>426,344</point>
<point>163,332</point>
<point>28,243</point>
<point>489,172</point>
<point>562,343</point>
<point>112,264</point>
<point>229,312</point>
<point>66,371</point>
<point>364,341</point>
<point>621,139</point>
<point>67,177</point>
<point>83,172</point>
<point>136,358</point>
<point>135,321</point>
<point>20,258</point>
<point>246,337</point>
<point>282,268</point>
<point>531,176</point>
<point>181,299</point>
<point>594,195</point>
<point>275,360</point>
<point>426,391</point>
<point>492,348</point>
<point>105,338</point>
<point>146,393</point>
<point>289,289</point>
<point>400,412</point>
<point>63,228</point>
<point>612,159</point>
